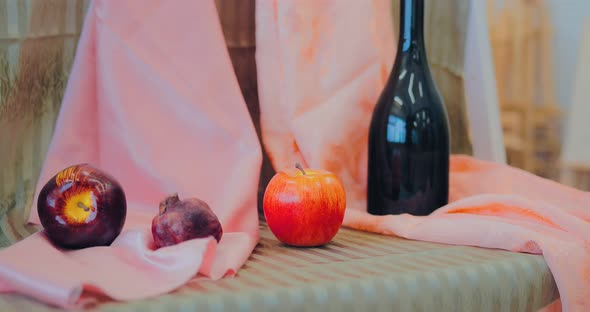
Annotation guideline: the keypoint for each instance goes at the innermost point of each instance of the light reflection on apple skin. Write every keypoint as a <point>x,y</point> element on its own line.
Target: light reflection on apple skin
<point>59,219</point>
<point>82,206</point>
<point>93,211</point>
<point>304,210</point>
<point>66,186</point>
<point>289,198</point>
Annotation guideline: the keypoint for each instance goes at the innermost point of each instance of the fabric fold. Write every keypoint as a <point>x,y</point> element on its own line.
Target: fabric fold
<point>313,64</point>
<point>308,118</point>
<point>153,101</point>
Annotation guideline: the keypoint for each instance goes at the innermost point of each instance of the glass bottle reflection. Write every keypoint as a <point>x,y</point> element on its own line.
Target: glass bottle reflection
<point>409,135</point>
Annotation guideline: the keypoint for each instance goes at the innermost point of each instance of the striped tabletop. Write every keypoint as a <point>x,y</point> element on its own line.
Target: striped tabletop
<point>358,271</point>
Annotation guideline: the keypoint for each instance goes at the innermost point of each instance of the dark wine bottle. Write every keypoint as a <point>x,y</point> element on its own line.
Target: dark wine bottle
<point>409,137</point>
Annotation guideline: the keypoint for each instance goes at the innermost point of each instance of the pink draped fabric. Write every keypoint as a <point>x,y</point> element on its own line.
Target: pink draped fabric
<point>152,100</point>
<point>321,67</point>
<point>142,105</point>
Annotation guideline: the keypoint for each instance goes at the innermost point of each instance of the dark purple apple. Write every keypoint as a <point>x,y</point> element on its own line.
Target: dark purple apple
<point>182,220</point>
<point>82,206</point>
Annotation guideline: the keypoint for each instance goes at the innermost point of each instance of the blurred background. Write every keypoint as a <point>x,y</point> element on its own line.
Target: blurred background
<point>541,54</point>
<point>539,51</point>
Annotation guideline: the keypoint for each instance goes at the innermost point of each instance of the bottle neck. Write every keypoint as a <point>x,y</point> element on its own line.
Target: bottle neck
<point>411,34</point>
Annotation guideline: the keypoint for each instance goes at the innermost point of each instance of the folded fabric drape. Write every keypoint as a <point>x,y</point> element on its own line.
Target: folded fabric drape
<point>320,75</point>
<point>152,100</point>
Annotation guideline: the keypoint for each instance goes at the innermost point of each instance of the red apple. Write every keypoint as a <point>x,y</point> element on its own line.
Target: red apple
<point>81,206</point>
<point>304,207</point>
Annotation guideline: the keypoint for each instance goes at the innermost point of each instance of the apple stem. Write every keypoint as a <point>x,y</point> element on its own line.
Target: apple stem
<point>298,166</point>
<point>81,205</point>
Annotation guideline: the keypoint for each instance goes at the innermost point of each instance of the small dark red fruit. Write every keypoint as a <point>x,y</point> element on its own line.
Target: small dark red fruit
<point>182,220</point>
<point>82,206</point>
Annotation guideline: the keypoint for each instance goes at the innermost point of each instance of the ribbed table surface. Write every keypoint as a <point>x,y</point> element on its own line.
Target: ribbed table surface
<point>357,271</point>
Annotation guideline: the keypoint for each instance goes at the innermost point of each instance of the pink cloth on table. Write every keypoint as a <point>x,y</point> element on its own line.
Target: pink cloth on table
<point>152,99</point>
<point>319,77</point>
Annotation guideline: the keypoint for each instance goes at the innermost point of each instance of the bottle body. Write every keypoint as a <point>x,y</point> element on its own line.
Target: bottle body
<point>409,139</point>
